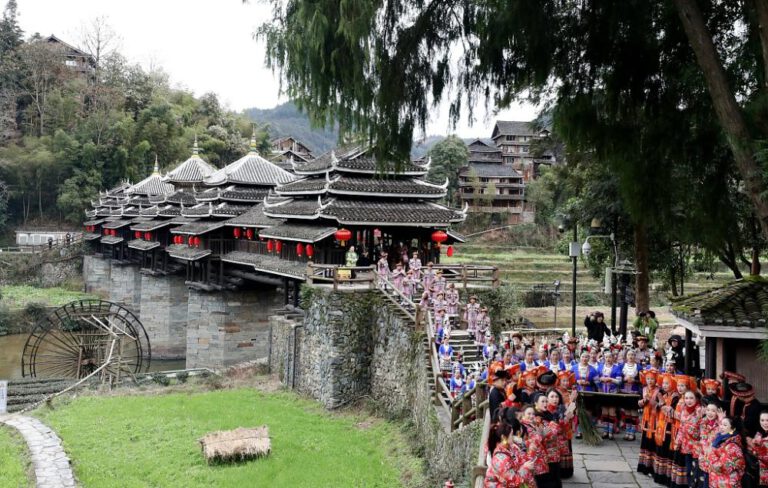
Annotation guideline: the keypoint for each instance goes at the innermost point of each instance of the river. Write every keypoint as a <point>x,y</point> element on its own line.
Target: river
<point>12,347</point>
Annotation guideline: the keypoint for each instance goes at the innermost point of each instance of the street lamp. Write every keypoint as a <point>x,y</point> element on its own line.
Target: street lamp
<point>586,249</point>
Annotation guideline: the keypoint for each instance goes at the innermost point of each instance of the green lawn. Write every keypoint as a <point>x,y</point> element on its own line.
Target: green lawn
<point>20,296</point>
<point>13,460</point>
<point>151,441</point>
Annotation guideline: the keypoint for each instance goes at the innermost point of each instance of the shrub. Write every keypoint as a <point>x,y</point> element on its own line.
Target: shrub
<point>161,379</point>
<point>6,319</point>
<point>36,311</point>
<point>182,377</point>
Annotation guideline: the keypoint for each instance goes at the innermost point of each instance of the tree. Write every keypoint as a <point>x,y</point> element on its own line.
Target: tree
<point>447,157</point>
<point>100,40</point>
<point>76,193</point>
<point>44,72</point>
<point>10,33</point>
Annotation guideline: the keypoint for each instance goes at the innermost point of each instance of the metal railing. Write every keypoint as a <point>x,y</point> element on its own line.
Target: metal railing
<point>54,244</point>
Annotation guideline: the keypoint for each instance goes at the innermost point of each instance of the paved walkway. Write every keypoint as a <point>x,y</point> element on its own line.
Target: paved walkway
<point>52,469</point>
<point>611,464</point>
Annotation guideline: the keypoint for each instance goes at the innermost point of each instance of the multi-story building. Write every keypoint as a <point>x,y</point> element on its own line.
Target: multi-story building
<point>74,58</point>
<point>514,139</point>
<point>289,150</point>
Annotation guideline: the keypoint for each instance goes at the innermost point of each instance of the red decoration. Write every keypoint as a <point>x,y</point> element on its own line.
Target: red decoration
<point>191,241</point>
<point>310,251</point>
<point>114,232</point>
<point>299,249</point>
<point>147,236</point>
<point>249,234</point>
<point>343,235</point>
<point>137,234</point>
<point>106,232</point>
<point>197,241</point>
<point>278,246</point>
<point>270,245</point>
<point>439,236</point>
<point>237,232</point>
<point>450,251</point>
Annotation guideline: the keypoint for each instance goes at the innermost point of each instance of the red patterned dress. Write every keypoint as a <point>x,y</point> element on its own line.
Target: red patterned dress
<point>686,438</point>
<point>726,463</point>
<point>506,468</point>
<point>759,448</point>
<point>534,444</point>
<point>707,433</point>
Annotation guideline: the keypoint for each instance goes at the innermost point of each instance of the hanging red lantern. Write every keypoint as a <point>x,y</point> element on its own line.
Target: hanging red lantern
<point>310,251</point>
<point>137,234</point>
<point>147,236</point>
<point>279,246</point>
<point>106,232</point>
<point>114,232</point>
<point>237,232</point>
<point>439,236</point>
<point>197,241</point>
<point>270,245</point>
<point>249,234</point>
<point>299,249</point>
<point>450,251</point>
<point>343,235</point>
<point>190,241</point>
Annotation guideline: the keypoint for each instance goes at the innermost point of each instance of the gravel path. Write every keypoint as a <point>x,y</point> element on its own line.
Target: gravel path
<point>52,469</point>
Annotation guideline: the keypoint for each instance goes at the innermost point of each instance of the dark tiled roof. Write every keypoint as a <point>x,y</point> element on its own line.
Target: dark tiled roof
<point>116,224</point>
<point>143,245</point>
<point>252,218</point>
<point>354,185</point>
<point>391,213</point>
<point>513,128</point>
<point>182,220</point>
<point>491,170</point>
<point>112,219</point>
<point>307,186</point>
<point>209,195</point>
<point>199,210</point>
<point>742,303</point>
<point>180,251</point>
<point>93,222</point>
<point>169,211</point>
<point>369,165</point>
<point>225,209</point>
<point>151,225</point>
<point>267,264</point>
<point>152,185</point>
<point>131,211</point>
<point>119,190</point>
<point>244,194</point>
<point>251,169</point>
<point>456,236</point>
<point>293,208</point>
<point>149,211</point>
<point>111,240</point>
<point>296,232</point>
<point>197,228</point>
<point>193,170</point>
<point>90,236</point>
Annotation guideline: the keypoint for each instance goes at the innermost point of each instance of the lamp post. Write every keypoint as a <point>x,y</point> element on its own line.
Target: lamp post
<point>586,248</point>
<point>573,252</point>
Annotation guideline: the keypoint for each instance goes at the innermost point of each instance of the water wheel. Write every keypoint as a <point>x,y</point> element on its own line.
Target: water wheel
<point>83,336</point>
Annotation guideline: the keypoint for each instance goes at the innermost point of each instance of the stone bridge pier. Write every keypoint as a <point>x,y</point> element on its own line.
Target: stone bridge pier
<point>164,315</point>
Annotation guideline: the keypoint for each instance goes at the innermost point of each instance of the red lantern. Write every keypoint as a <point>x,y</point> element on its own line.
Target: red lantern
<point>343,235</point>
<point>190,241</point>
<point>237,232</point>
<point>439,236</point>
<point>450,251</point>
<point>114,232</point>
<point>310,251</point>
<point>249,234</point>
<point>299,249</point>
<point>137,234</point>
<point>278,246</point>
<point>270,245</point>
<point>197,241</point>
<point>106,232</point>
<point>147,236</point>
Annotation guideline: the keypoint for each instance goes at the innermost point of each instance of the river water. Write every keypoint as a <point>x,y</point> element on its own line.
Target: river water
<point>12,347</point>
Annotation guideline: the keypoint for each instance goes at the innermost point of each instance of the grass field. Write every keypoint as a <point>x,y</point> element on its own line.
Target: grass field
<point>13,460</point>
<point>20,296</point>
<point>152,441</point>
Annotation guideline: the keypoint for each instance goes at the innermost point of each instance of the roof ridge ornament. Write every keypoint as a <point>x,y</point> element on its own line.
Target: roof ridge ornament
<point>334,159</point>
<point>156,169</point>
<point>195,148</point>
<point>253,139</point>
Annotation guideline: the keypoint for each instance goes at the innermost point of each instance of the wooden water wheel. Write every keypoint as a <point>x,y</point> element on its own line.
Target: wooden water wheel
<point>86,336</point>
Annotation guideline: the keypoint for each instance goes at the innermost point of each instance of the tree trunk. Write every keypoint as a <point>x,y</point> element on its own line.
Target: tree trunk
<point>728,257</point>
<point>761,11</point>
<point>727,109</point>
<point>673,280</point>
<point>642,298</point>
<point>755,267</point>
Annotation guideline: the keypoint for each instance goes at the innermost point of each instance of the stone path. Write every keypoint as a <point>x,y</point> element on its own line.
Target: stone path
<point>611,464</point>
<point>52,469</point>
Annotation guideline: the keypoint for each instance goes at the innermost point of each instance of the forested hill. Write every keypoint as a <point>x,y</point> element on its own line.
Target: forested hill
<point>286,120</point>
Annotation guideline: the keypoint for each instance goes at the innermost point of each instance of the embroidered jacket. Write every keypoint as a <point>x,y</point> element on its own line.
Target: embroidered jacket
<point>535,447</point>
<point>506,468</point>
<point>726,464</point>
<point>707,433</point>
<point>604,371</point>
<point>760,449</point>
<point>688,433</point>
<point>650,411</point>
<point>589,376</point>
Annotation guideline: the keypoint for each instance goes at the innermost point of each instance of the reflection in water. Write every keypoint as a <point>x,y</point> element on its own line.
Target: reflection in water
<point>12,347</point>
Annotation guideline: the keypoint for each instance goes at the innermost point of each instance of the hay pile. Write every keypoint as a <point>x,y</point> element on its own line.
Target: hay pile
<point>236,445</point>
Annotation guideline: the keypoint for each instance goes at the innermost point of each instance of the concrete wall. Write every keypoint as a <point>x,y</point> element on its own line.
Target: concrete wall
<point>352,346</point>
<point>96,274</point>
<point>125,287</point>
<point>228,327</point>
<point>164,315</point>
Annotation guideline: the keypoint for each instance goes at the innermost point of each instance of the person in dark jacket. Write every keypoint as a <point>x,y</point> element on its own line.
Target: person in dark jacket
<point>497,394</point>
<point>596,327</point>
<point>676,346</point>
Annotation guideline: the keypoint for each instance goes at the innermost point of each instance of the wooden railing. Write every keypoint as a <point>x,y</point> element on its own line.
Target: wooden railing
<point>55,244</point>
<point>336,275</point>
<point>470,406</point>
<point>478,472</point>
<point>470,275</point>
<point>398,298</point>
<point>437,375</point>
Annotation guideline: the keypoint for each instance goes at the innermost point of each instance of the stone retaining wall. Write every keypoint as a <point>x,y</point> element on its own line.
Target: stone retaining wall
<point>125,287</point>
<point>353,345</point>
<point>96,274</point>
<point>164,315</point>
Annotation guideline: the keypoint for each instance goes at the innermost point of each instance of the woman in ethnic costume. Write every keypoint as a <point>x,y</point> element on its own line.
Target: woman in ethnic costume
<point>662,463</point>
<point>565,382</point>
<point>630,373</point>
<point>534,442</point>
<point>511,465</point>
<point>564,415</point>
<point>439,302</point>
<point>758,446</point>
<point>648,423</point>
<point>409,285</point>
<point>554,363</point>
<point>382,267</point>
<point>471,311</point>
<point>550,431</point>
<point>683,474</point>
<point>397,277</point>
<point>708,427</point>
<point>725,457</point>
<point>415,265</point>
<point>677,468</point>
<point>428,276</point>
<point>585,374</point>
<point>452,297</point>
<point>608,381</point>
<point>483,322</point>
<point>527,385</point>
<point>439,282</point>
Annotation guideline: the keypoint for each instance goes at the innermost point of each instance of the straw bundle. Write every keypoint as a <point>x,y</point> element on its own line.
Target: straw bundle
<point>236,445</point>
<point>588,431</point>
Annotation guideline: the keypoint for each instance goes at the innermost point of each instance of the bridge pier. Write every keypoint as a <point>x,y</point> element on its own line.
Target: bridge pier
<point>164,314</point>
<point>97,274</point>
<point>126,286</point>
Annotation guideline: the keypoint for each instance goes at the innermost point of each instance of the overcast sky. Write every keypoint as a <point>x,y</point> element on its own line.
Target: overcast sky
<point>204,45</point>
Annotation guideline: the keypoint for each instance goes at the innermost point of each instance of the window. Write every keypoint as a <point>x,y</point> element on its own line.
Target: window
<point>525,149</point>
<point>71,62</point>
<point>23,239</point>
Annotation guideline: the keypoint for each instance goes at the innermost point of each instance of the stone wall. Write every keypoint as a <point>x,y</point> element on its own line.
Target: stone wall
<point>96,274</point>
<point>125,287</point>
<point>228,327</point>
<point>354,345</point>
<point>164,314</point>
<point>49,268</point>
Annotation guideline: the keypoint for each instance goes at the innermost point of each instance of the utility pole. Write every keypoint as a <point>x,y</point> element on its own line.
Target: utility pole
<point>573,250</point>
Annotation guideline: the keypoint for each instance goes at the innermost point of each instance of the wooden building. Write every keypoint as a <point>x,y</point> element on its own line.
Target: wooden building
<point>74,58</point>
<point>289,150</point>
<point>514,139</point>
<point>729,323</point>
